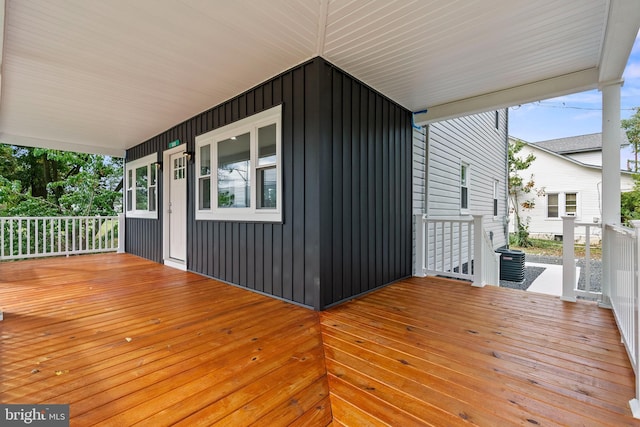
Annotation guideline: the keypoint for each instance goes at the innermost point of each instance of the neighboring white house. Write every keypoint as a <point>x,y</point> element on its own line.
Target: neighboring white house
<point>569,175</point>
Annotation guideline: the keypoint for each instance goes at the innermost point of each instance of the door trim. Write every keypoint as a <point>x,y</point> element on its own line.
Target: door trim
<point>166,196</point>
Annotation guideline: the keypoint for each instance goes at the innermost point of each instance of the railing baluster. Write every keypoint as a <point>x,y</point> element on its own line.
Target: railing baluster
<point>11,237</point>
<point>59,235</point>
<point>20,237</point>
<point>28,236</point>
<point>452,260</point>
<point>35,236</point>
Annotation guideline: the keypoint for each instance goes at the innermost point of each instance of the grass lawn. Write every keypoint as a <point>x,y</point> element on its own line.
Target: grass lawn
<point>554,248</point>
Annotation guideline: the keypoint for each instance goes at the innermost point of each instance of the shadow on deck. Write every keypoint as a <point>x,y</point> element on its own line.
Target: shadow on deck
<point>125,340</point>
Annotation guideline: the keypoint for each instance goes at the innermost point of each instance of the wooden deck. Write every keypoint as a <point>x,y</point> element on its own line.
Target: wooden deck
<point>127,341</point>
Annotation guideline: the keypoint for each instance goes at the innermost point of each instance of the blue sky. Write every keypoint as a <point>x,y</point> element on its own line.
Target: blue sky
<point>577,114</point>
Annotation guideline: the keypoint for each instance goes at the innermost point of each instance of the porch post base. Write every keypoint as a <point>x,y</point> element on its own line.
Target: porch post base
<point>634,404</point>
<point>478,284</point>
<point>603,304</point>
<point>568,298</point>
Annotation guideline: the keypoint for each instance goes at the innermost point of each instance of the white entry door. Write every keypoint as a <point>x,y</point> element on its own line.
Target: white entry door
<point>178,207</point>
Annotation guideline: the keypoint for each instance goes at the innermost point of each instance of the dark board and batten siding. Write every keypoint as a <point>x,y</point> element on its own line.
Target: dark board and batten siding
<point>143,237</point>
<point>346,158</point>
<point>367,190</point>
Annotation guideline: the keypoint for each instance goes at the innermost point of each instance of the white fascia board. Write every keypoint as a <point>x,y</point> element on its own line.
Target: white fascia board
<point>27,141</point>
<point>579,81</point>
<point>623,23</point>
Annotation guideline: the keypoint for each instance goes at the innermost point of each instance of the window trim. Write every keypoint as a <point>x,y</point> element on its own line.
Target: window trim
<point>496,199</point>
<point>250,125</point>
<point>565,204</point>
<point>150,162</point>
<point>556,205</point>
<point>466,184</point>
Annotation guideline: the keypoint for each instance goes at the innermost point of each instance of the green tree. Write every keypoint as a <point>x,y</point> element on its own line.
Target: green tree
<point>630,202</point>
<point>520,190</point>
<point>632,127</point>
<point>43,182</point>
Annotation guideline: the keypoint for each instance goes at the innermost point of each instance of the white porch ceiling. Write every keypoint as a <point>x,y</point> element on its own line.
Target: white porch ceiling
<point>104,75</point>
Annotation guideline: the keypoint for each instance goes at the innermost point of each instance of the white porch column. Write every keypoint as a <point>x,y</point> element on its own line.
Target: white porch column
<point>418,266</point>
<point>478,262</point>
<point>121,233</point>
<point>568,259</point>
<point>610,171</point>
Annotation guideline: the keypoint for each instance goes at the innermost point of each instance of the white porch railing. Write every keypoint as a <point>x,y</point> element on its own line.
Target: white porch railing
<point>31,237</point>
<point>455,247</point>
<point>570,290</point>
<point>620,283</point>
<point>623,256</point>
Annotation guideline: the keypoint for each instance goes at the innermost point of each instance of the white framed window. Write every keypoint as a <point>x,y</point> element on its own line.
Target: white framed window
<point>571,204</point>
<point>142,183</point>
<point>496,187</point>
<point>464,186</point>
<point>239,172</point>
<point>562,204</point>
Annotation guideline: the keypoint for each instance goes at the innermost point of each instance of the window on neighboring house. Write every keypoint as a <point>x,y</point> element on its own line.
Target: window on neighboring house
<point>464,186</point>
<point>239,170</point>
<point>142,182</point>
<point>561,204</point>
<point>571,204</point>
<point>552,205</point>
<point>496,186</point>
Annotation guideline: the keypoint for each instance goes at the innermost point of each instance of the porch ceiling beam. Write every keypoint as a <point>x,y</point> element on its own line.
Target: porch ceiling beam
<point>548,88</point>
<point>623,19</point>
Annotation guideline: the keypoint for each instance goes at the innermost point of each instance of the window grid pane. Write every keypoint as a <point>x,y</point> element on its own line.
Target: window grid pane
<point>267,188</point>
<point>267,145</point>
<point>571,203</point>
<point>552,205</point>
<point>142,179</point>
<point>205,193</point>
<point>234,174</point>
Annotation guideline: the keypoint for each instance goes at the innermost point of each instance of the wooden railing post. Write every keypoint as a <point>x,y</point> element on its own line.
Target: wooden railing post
<point>568,259</point>
<point>477,251</point>
<point>121,233</point>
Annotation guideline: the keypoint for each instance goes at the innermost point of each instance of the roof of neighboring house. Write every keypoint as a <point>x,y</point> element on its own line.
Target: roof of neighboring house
<point>563,156</point>
<point>577,144</point>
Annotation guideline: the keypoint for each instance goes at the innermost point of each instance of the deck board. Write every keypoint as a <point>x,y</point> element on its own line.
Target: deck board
<point>490,356</point>
<point>127,341</point>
